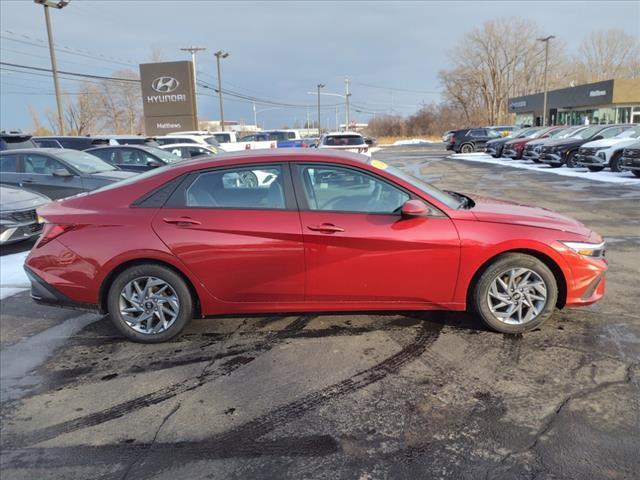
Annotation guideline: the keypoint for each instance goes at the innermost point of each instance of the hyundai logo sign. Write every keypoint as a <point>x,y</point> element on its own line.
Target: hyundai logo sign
<point>164,84</point>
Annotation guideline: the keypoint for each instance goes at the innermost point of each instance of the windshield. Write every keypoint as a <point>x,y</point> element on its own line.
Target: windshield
<point>163,154</point>
<point>212,141</point>
<point>558,133</point>
<point>449,200</point>
<point>525,132</point>
<point>631,133</point>
<point>536,133</point>
<point>85,162</point>
<point>587,132</point>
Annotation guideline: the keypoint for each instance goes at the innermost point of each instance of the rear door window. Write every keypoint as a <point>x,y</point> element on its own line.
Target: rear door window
<point>9,163</point>
<point>251,187</point>
<point>41,164</point>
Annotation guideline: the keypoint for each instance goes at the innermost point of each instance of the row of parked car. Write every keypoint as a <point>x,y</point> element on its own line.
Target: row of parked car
<point>595,147</point>
<point>36,170</point>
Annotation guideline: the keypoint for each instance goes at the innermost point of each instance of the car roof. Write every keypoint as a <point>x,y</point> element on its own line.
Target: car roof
<point>190,145</point>
<point>38,150</point>
<point>133,145</point>
<point>355,134</point>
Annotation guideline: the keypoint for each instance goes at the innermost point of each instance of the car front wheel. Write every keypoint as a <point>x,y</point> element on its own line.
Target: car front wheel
<point>614,164</point>
<point>516,293</point>
<point>149,303</point>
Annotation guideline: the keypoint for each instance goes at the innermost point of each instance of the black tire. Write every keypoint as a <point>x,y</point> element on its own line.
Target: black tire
<point>535,160</point>
<point>168,276</point>
<point>595,169</point>
<point>467,148</point>
<point>636,173</point>
<point>502,264</point>
<point>571,160</point>
<point>614,163</point>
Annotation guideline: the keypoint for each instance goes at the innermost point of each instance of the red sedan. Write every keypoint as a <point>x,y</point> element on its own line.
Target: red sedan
<point>300,231</point>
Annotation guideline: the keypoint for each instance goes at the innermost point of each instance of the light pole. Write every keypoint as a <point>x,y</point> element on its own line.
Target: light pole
<point>193,50</point>
<point>220,54</point>
<point>546,60</point>
<point>347,81</point>
<point>320,85</point>
<point>52,53</point>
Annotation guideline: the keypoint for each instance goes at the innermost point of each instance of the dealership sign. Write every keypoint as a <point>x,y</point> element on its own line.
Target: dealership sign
<point>520,104</point>
<point>597,93</point>
<point>168,97</point>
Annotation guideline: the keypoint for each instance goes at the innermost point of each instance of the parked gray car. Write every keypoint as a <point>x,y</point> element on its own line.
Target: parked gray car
<point>55,172</point>
<point>18,218</point>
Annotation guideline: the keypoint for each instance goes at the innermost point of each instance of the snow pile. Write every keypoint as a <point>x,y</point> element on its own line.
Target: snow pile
<point>12,277</point>
<point>413,141</point>
<point>625,178</point>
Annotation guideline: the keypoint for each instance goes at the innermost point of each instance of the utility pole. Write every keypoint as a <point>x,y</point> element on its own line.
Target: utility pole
<point>546,60</point>
<point>347,81</point>
<point>307,126</point>
<point>337,122</point>
<point>193,50</point>
<point>52,53</point>
<point>220,54</point>
<point>320,85</point>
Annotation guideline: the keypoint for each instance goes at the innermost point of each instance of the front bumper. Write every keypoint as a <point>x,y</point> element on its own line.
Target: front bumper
<point>590,161</point>
<point>513,154</point>
<point>16,232</point>
<point>630,164</point>
<point>551,158</point>
<point>494,151</point>
<point>530,155</point>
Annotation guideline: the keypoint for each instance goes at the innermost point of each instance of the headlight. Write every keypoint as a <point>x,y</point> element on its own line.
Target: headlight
<point>595,250</point>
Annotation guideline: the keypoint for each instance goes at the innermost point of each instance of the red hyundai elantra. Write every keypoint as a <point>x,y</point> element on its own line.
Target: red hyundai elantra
<point>300,231</point>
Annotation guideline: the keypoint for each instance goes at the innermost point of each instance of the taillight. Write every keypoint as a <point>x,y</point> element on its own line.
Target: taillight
<point>53,230</point>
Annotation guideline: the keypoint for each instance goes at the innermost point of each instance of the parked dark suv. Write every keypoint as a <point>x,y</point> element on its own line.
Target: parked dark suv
<point>469,140</point>
<point>15,139</point>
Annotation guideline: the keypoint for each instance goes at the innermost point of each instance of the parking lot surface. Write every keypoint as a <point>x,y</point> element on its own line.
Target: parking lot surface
<point>368,396</point>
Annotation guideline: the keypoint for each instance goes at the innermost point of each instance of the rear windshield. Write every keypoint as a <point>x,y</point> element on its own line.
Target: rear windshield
<point>343,140</point>
<point>10,143</point>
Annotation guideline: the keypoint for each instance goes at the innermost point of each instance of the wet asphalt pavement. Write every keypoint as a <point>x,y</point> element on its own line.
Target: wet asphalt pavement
<point>430,395</point>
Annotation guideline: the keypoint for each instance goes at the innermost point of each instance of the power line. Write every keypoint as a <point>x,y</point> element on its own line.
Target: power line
<point>75,74</point>
<point>395,89</point>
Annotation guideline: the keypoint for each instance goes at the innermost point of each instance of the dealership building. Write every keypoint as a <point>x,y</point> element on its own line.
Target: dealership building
<point>610,101</point>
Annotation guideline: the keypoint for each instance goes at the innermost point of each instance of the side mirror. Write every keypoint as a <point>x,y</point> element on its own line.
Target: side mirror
<point>414,208</point>
<point>62,172</point>
<point>599,137</point>
<point>153,163</point>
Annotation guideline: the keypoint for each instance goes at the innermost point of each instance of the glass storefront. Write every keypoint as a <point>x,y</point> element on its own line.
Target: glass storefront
<point>598,116</point>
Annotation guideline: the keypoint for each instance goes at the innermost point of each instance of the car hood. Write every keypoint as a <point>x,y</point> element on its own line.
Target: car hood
<point>493,210</point>
<point>498,141</point>
<point>608,142</point>
<point>19,199</point>
<point>114,175</point>
<point>561,142</point>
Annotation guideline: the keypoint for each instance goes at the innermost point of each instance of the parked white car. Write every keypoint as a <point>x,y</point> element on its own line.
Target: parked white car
<point>207,140</point>
<point>221,137</point>
<point>190,150</point>
<point>348,141</point>
<point>599,154</point>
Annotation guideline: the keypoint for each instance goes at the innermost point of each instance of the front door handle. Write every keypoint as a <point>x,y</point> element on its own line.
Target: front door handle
<point>28,180</point>
<point>325,228</point>
<point>182,221</point>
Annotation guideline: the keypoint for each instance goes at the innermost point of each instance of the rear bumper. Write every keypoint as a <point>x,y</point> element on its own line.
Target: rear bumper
<point>44,294</point>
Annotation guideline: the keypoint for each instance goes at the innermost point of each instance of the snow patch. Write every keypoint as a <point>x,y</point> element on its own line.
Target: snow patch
<point>413,141</point>
<point>12,277</point>
<point>625,178</point>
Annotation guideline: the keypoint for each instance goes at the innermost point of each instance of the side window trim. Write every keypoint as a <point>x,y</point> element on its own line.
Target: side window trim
<point>178,198</point>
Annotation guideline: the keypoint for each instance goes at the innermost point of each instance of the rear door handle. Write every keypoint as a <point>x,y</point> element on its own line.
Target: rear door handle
<point>325,228</point>
<point>28,180</point>
<point>182,221</point>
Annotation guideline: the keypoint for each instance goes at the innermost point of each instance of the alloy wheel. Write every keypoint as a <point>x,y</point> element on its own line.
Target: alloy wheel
<point>517,296</point>
<point>149,305</point>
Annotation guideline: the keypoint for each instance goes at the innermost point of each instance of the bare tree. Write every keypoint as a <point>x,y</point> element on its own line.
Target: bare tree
<point>495,61</point>
<point>607,54</point>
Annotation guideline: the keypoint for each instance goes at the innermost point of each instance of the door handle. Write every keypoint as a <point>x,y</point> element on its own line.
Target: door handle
<point>325,228</point>
<point>182,221</point>
<point>28,180</point>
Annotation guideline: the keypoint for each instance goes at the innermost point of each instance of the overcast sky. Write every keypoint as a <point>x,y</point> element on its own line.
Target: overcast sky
<point>278,50</point>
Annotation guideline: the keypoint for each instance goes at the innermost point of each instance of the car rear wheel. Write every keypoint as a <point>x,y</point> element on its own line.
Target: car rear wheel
<point>614,164</point>
<point>149,303</point>
<point>636,173</point>
<point>595,169</point>
<point>467,148</point>
<point>516,293</point>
